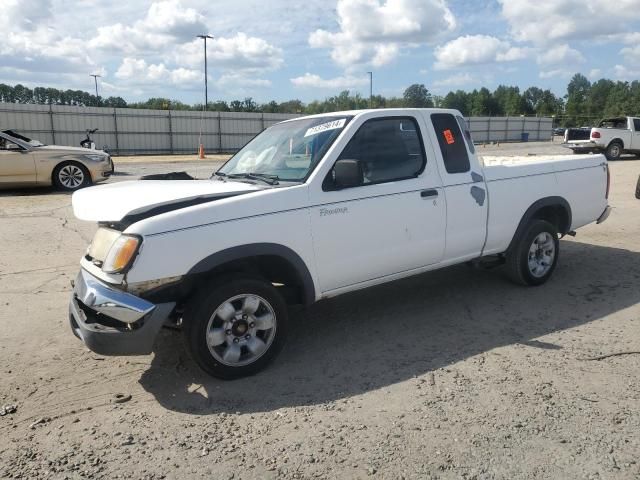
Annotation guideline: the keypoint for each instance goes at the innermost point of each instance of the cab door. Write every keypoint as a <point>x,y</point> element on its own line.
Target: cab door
<point>464,187</point>
<point>394,222</point>
<point>17,164</point>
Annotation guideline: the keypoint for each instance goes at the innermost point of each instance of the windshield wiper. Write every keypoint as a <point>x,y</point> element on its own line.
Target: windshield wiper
<point>265,177</point>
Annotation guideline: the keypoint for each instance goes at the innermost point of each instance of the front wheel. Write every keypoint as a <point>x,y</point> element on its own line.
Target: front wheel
<point>71,176</point>
<point>534,257</point>
<point>235,327</point>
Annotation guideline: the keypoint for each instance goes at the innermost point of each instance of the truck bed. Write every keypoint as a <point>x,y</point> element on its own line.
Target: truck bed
<point>515,183</point>
<point>504,167</point>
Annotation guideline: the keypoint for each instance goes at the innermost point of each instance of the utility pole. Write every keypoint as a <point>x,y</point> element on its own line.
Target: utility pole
<point>370,89</point>
<point>206,93</point>
<point>95,79</point>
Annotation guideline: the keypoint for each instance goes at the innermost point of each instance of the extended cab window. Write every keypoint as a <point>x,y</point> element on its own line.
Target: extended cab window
<point>464,126</point>
<point>389,149</point>
<point>636,124</point>
<point>452,146</point>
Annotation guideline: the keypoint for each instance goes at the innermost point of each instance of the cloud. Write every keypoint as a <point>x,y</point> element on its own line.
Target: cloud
<point>623,72</point>
<point>373,31</point>
<point>559,72</point>
<point>232,80</point>
<point>140,72</point>
<point>237,52</point>
<point>595,73</point>
<point>309,80</point>
<point>29,44</point>
<point>559,61</point>
<point>476,49</point>
<point>166,23</point>
<point>168,32</point>
<point>24,14</point>
<point>458,80</point>
<point>560,55</point>
<point>548,21</point>
<point>631,54</point>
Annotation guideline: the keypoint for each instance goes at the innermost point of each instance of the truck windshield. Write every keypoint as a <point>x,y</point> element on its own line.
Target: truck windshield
<point>287,151</point>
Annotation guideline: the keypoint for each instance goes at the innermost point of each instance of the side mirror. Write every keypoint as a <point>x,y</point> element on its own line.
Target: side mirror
<point>348,173</point>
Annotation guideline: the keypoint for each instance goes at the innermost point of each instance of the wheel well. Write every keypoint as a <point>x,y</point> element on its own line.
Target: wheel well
<point>273,268</point>
<point>556,215</point>
<point>555,210</point>
<point>616,140</point>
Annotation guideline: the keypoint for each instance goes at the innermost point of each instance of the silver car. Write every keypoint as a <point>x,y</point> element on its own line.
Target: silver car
<point>25,162</point>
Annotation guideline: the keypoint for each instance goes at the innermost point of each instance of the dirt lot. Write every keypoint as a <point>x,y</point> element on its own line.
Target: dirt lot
<point>453,374</point>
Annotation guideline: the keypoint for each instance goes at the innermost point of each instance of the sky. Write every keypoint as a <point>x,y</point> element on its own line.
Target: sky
<point>311,49</point>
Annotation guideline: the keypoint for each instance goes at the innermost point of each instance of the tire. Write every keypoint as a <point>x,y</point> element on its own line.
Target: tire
<point>613,151</point>
<point>529,262</point>
<point>638,189</point>
<point>225,324</point>
<point>70,176</point>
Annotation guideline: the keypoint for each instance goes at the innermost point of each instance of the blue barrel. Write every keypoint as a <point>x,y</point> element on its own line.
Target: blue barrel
<point>524,136</point>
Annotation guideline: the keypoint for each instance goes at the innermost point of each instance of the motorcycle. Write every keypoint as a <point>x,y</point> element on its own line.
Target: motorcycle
<point>88,142</point>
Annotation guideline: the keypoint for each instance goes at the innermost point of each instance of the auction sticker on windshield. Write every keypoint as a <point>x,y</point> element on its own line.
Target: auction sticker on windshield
<point>323,127</point>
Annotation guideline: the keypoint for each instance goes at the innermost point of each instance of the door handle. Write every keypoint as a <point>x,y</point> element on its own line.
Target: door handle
<point>429,193</point>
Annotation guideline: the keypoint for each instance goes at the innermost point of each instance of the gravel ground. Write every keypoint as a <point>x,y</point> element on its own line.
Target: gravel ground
<point>452,374</point>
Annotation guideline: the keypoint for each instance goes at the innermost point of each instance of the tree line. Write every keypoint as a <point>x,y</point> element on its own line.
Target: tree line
<point>583,104</point>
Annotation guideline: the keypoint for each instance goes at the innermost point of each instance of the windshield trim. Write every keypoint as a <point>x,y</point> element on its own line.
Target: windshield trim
<point>323,150</point>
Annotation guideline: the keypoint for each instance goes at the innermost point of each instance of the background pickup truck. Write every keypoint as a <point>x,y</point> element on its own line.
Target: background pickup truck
<point>312,208</point>
<point>612,136</point>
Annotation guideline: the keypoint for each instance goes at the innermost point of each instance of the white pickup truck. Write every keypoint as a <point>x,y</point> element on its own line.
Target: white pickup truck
<point>312,208</point>
<point>612,136</point>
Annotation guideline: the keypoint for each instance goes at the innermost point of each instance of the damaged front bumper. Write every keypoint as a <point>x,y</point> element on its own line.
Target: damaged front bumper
<point>113,322</point>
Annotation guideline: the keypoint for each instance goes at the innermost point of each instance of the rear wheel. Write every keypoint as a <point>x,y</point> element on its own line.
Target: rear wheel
<point>613,151</point>
<point>71,176</point>
<point>235,327</point>
<point>638,189</point>
<point>535,255</point>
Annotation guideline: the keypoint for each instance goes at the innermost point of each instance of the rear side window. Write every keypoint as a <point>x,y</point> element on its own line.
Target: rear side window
<point>636,124</point>
<point>390,149</point>
<point>451,141</point>
<point>464,126</point>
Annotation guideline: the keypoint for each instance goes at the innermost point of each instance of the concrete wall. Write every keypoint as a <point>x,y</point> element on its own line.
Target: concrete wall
<point>127,131</point>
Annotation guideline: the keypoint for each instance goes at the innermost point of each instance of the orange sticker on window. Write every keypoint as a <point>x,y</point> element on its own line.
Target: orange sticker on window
<point>448,136</point>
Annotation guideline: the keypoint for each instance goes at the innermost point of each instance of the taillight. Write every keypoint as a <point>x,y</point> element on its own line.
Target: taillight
<point>595,134</point>
<point>606,195</point>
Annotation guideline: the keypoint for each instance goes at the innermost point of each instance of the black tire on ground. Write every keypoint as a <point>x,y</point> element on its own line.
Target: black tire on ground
<point>70,176</point>
<point>613,151</point>
<point>517,262</point>
<point>200,311</point>
<point>638,189</point>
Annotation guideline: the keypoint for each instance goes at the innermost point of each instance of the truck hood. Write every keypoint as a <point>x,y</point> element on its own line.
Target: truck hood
<point>134,200</point>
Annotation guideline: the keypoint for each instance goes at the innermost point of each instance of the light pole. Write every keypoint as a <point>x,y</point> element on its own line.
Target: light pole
<point>370,89</point>
<point>206,93</point>
<point>95,79</point>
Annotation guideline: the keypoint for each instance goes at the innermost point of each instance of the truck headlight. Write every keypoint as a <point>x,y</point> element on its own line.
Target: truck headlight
<point>121,254</point>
